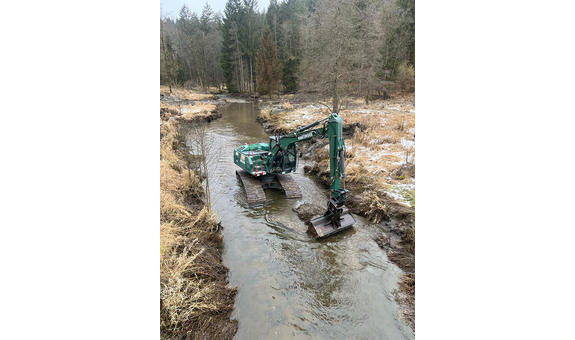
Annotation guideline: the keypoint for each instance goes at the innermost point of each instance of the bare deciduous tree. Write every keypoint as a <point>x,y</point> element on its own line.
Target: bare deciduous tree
<point>352,47</point>
<point>203,152</point>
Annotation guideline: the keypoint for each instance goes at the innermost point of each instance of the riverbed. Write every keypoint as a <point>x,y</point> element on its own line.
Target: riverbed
<point>290,285</point>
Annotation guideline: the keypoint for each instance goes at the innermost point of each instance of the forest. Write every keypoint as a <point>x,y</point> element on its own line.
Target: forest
<point>334,48</point>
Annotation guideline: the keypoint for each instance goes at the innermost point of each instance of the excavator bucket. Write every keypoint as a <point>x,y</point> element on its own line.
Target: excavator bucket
<point>324,226</point>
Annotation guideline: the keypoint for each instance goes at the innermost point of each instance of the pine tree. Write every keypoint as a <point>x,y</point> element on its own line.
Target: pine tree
<point>268,65</point>
<point>229,45</point>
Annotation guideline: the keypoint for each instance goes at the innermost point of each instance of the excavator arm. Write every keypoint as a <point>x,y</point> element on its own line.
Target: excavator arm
<point>337,216</point>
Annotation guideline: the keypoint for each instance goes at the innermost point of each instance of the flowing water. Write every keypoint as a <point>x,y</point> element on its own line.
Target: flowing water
<point>290,285</point>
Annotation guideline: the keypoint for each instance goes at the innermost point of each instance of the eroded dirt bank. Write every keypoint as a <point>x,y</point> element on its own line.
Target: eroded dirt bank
<point>195,300</point>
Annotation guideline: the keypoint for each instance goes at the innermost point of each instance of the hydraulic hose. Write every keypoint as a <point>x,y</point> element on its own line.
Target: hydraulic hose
<point>341,163</point>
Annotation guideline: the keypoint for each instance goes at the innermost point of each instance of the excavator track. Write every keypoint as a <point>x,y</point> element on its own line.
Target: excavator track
<point>289,186</point>
<point>254,191</point>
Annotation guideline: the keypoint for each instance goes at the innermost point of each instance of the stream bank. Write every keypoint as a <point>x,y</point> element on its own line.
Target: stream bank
<point>195,299</point>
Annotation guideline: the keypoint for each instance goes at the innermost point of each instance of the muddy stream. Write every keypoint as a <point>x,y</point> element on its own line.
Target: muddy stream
<point>290,285</point>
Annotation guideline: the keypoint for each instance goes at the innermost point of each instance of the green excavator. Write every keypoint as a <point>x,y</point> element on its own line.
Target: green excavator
<point>267,165</point>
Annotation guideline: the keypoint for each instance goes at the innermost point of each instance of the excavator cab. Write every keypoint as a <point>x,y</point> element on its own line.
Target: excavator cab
<point>285,160</point>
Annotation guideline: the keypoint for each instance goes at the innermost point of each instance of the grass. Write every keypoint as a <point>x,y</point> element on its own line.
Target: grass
<point>195,301</point>
<point>183,93</point>
<point>189,111</point>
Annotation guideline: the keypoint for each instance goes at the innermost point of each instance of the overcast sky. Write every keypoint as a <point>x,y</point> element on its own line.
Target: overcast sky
<point>172,8</point>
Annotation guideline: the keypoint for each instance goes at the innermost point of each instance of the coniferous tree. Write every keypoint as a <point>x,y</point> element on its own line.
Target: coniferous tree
<point>289,42</point>
<point>229,45</point>
<point>268,65</point>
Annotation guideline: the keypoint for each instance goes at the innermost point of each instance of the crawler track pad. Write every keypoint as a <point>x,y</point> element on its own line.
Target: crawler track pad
<point>323,227</point>
<point>254,192</point>
<point>289,186</point>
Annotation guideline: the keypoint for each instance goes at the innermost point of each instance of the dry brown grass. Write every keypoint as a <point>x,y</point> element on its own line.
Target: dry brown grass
<point>376,152</point>
<point>190,111</point>
<point>183,93</point>
<point>195,301</point>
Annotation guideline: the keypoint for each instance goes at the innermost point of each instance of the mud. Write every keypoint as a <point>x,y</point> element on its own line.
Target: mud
<point>307,211</point>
